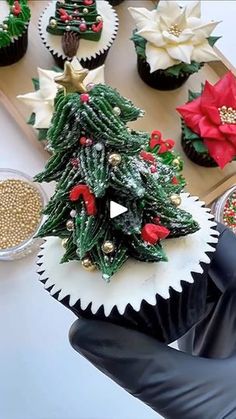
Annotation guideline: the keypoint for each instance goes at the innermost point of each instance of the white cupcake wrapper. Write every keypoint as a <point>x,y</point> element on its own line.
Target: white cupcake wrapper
<point>136,281</point>
<point>88,50</point>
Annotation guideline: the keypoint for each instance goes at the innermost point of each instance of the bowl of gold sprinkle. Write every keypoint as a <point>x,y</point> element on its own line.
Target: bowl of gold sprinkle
<point>21,205</point>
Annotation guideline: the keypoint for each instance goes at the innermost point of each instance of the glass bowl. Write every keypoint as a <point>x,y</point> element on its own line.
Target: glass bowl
<point>219,208</point>
<point>31,244</point>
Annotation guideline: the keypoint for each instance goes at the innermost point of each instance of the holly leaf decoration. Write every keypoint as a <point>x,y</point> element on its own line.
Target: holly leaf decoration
<point>213,39</point>
<point>199,146</point>
<point>140,44</point>
<point>36,83</point>
<point>189,134</point>
<point>183,68</point>
<point>56,68</point>
<point>42,134</point>
<point>31,120</point>
<point>193,95</point>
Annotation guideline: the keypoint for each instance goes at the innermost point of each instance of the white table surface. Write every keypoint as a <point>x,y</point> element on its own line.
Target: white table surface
<point>223,11</point>
<point>42,377</point>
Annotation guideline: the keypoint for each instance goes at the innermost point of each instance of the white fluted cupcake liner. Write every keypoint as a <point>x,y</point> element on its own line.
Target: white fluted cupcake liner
<point>162,299</point>
<point>91,54</point>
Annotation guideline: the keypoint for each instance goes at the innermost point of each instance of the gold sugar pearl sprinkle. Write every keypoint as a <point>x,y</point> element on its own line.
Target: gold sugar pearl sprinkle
<point>175,30</point>
<point>20,212</point>
<point>227,115</point>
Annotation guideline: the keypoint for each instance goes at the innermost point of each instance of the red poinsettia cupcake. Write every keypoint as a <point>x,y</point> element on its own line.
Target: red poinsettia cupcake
<point>209,123</point>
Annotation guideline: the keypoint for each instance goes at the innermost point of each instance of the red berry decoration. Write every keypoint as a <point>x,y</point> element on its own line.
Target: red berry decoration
<point>175,181</point>
<point>89,142</point>
<point>84,97</point>
<point>156,220</point>
<point>152,233</point>
<point>83,140</point>
<point>88,2</point>
<point>16,8</point>
<point>153,169</point>
<point>83,27</point>
<point>82,191</point>
<point>75,162</point>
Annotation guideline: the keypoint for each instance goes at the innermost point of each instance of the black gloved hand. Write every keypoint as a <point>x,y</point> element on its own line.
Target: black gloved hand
<point>175,384</point>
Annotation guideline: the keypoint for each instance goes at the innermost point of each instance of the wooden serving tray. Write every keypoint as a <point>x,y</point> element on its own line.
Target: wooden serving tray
<point>121,73</point>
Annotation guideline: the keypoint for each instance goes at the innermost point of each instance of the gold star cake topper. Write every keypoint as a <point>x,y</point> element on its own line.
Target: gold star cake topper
<point>72,80</point>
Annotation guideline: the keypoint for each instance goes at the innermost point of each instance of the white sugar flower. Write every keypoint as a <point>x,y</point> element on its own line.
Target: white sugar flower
<point>41,102</point>
<point>174,34</point>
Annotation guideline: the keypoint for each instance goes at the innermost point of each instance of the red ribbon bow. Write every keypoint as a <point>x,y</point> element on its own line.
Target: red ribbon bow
<point>156,139</point>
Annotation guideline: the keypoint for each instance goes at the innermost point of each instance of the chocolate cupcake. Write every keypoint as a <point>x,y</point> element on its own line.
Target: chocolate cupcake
<point>14,21</point>
<point>161,300</point>
<point>168,51</point>
<point>85,29</point>
<point>159,79</point>
<point>194,148</point>
<point>209,123</point>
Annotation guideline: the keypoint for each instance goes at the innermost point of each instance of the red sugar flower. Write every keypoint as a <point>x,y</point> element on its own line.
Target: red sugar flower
<point>213,117</point>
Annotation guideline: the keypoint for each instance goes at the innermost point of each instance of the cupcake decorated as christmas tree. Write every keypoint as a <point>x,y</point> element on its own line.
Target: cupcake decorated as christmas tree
<point>172,42</point>
<point>84,29</point>
<point>41,101</point>
<point>209,123</point>
<point>14,21</point>
<point>123,242</point>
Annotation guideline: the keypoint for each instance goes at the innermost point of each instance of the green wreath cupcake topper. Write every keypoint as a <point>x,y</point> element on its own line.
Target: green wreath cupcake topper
<point>14,24</point>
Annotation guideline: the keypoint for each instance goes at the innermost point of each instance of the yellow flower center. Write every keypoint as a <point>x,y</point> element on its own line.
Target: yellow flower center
<point>227,115</point>
<point>175,30</point>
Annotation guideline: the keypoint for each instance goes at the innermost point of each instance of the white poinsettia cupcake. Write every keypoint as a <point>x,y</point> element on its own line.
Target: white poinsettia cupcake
<point>41,101</point>
<point>172,42</point>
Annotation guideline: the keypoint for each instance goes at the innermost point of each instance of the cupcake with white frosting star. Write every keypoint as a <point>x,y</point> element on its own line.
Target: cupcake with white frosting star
<point>172,42</point>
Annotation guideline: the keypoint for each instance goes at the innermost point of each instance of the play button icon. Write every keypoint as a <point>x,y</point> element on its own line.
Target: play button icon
<point>116,209</point>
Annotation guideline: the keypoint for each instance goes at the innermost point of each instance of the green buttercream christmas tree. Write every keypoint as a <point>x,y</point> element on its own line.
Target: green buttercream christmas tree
<point>74,20</point>
<point>97,159</point>
<point>15,23</point>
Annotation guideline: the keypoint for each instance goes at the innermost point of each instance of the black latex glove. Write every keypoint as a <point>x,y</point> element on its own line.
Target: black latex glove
<point>176,384</point>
